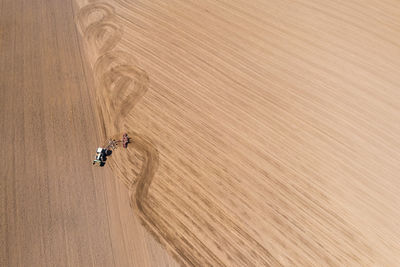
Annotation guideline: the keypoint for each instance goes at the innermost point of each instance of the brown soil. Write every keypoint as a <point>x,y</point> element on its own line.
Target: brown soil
<point>55,208</point>
<point>264,133</point>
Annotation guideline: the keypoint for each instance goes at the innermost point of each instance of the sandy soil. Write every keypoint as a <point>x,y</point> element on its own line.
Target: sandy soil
<point>55,208</point>
<point>265,132</point>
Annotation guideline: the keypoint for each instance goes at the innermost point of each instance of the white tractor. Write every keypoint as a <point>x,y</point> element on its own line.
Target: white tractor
<point>102,153</point>
<point>101,156</point>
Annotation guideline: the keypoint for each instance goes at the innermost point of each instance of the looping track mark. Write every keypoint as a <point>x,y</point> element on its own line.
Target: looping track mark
<point>98,24</point>
<point>121,84</point>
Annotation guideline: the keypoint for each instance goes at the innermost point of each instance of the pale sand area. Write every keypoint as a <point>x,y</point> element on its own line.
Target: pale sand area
<point>264,132</point>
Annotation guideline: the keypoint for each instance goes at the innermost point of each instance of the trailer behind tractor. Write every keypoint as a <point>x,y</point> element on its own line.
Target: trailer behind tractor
<point>103,152</point>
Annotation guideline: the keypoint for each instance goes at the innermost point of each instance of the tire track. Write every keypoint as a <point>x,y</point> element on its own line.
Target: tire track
<point>116,74</point>
<point>98,25</point>
<point>121,84</point>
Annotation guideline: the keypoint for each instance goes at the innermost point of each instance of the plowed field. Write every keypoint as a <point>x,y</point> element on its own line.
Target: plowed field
<point>263,132</point>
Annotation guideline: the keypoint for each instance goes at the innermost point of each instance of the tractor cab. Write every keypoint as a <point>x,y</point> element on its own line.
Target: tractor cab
<point>100,157</point>
<point>102,153</point>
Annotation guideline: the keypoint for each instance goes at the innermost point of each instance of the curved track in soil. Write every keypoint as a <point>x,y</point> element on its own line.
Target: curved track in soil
<point>55,208</point>
<point>260,137</point>
<point>120,86</point>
